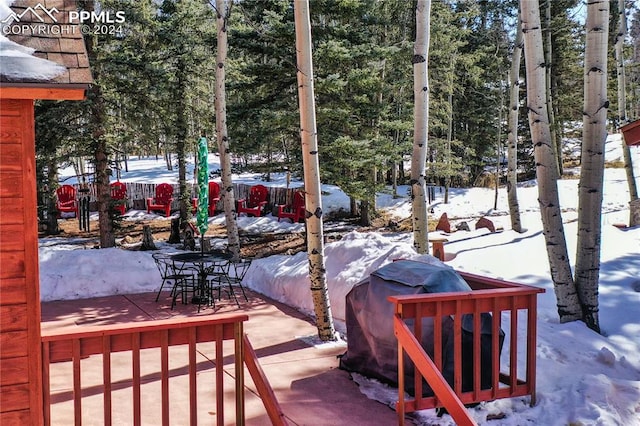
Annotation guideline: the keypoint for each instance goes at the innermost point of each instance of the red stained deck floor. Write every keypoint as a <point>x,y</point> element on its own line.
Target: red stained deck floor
<point>306,380</point>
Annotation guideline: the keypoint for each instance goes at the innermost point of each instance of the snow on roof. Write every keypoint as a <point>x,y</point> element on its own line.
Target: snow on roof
<point>38,44</point>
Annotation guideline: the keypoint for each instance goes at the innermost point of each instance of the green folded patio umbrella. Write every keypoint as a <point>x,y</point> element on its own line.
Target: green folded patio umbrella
<point>203,190</point>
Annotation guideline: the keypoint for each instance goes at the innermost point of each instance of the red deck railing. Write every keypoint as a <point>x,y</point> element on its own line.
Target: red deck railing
<point>167,340</point>
<point>510,303</point>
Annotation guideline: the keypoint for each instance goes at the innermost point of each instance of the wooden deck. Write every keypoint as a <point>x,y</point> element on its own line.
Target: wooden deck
<point>307,383</point>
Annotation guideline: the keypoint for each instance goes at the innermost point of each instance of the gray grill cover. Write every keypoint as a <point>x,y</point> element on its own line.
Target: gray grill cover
<point>371,345</point>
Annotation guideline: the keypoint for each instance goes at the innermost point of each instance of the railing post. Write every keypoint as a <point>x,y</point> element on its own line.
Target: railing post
<point>496,326</point>
<point>46,384</point>
<point>532,331</point>
<point>77,391</point>
<point>193,400</point>
<point>219,378</point>
<point>135,372</point>
<point>106,378</point>
<point>239,357</point>
<point>400,406</point>
<point>513,349</point>
<point>164,375</point>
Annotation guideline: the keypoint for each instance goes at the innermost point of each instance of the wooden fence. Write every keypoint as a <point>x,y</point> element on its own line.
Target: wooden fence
<point>137,194</point>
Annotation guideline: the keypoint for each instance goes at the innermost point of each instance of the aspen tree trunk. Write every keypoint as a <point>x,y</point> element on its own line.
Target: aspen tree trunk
<point>226,194</point>
<point>512,133</point>
<point>622,107</point>
<point>420,127</point>
<point>592,158</point>
<point>546,171</point>
<point>557,143</point>
<point>313,199</point>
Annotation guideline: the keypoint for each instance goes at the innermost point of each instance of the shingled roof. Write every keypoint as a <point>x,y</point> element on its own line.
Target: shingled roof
<point>44,26</point>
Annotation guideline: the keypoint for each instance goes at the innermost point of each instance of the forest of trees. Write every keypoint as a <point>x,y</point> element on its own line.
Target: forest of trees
<point>159,78</point>
<point>156,83</point>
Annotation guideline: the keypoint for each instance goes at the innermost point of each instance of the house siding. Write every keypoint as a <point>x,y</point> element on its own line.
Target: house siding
<point>20,364</point>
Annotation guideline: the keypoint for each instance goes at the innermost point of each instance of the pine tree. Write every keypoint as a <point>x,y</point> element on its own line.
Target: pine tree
<point>567,48</point>
<point>351,68</point>
<point>97,131</point>
<point>262,91</point>
<point>184,35</point>
<point>59,137</point>
<point>622,103</point>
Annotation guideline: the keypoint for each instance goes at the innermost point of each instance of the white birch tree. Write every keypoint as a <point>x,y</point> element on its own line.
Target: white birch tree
<point>512,133</point>
<point>546,167</point>
<point>313,198</point>
<point>226,194</point>
<point>420,127</point>
<point>594,136</point>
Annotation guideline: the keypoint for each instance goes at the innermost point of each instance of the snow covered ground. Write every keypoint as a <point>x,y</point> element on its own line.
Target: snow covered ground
<point>583,378</point>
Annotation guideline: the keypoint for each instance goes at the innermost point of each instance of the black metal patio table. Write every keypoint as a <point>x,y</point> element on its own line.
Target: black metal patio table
<point>204,265</point>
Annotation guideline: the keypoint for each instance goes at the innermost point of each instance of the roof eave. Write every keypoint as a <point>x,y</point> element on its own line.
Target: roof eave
<point>48,91</point>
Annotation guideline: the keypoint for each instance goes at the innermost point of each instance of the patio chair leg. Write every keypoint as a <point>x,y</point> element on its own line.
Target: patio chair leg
<point>174,294</point>
<point>240,270</point>
<point>214,285</point>
<point>160,291</point>
<point>243,293</point>
<point>179,286</point>
<point>233,293</point>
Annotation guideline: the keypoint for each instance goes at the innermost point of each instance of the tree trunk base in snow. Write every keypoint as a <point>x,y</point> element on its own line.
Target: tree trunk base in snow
<point>174,237</point>
<point>147,239</point>
<point>189,241</point>
<point>634,213</point>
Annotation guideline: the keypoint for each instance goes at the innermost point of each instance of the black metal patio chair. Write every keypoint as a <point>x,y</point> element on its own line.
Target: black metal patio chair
<point>177,279</point>
<point>234,276</point>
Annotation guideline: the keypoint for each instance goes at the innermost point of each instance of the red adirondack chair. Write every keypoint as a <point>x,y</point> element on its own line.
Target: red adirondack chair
<point>119,196</point>
<point>293,211</point>
<point>214,197</point>
<point>67,201</point>
<point>255,203</point>
<point>162,200</point>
